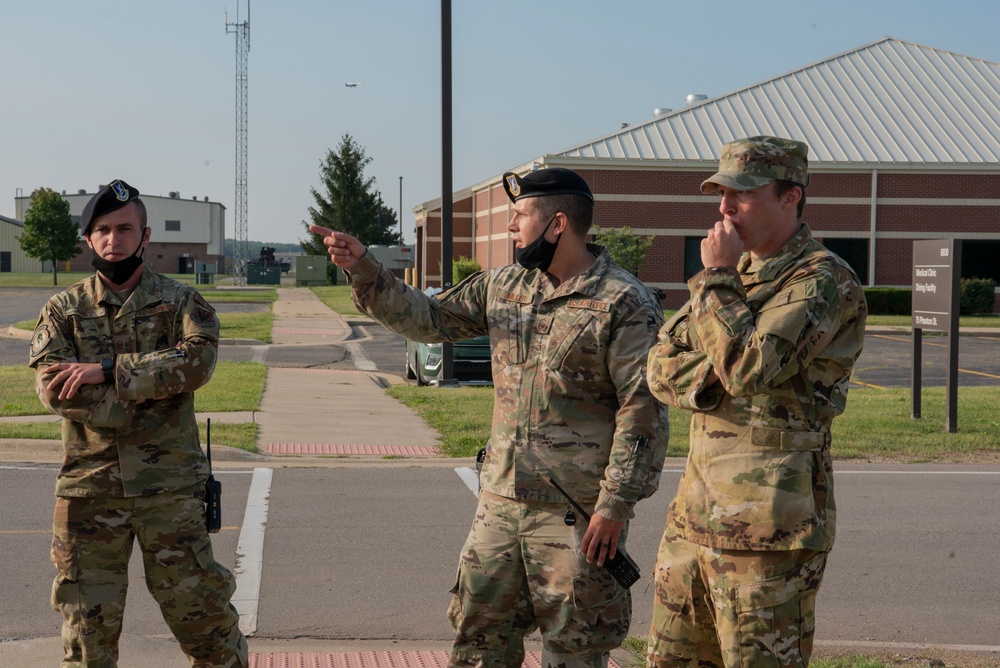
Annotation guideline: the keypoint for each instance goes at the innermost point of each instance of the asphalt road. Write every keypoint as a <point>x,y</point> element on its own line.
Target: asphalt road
<point>370,553</point>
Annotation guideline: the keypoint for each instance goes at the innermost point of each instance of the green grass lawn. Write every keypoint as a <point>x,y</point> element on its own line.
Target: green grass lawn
<point>255,326</point>
<point>963,321</point>
<point>632,654</point>
<point>235,386</point>
<point>876,424</point>
<point>337,297</point>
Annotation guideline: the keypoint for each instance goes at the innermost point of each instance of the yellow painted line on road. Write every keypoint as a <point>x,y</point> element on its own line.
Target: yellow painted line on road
<point>5,532</point>
<point>979,373</point>
<point>891,338</point>
<point>863,384</point>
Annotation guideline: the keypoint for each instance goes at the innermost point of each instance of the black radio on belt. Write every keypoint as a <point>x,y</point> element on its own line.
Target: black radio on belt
<point>622,568</point>
<point>213,489</point>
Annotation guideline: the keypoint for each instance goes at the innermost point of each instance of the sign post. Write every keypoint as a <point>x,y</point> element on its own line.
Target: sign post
<point>937,268</point>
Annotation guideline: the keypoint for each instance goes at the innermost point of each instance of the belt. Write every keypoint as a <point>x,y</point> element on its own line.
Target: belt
<point>789,439</point>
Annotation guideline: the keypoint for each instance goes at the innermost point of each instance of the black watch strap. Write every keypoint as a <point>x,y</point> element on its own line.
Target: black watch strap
<point>108,367</point>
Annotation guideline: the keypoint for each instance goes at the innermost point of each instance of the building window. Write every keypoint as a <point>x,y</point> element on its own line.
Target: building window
<point>854,252</point>
<point>979,259</point>
<point>172,225</point>
<point>692,257</point>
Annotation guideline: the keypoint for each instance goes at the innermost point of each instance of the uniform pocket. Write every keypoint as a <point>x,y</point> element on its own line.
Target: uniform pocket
<point>65,587</point>
<point>775,617</point>
<point>508,346</point>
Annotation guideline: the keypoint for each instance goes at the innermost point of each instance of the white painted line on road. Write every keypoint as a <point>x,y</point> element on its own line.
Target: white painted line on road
<point>40,467</point>
<point>872,644</point>
<point>360,357</point>
<point>470,478</point>
<point>836,472</point>
<point>250,551</point>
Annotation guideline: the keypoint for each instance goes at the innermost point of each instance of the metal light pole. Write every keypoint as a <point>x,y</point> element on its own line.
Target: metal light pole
<point>447,368</point>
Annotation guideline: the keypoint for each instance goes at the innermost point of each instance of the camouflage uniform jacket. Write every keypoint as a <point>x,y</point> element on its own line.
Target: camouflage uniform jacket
<point>138,436</point>
<point>571,399</point>
<point>782,336</point>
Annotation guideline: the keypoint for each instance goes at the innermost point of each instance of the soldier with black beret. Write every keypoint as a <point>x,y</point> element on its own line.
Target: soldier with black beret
<point>119,356</point>
<point>569,330</point>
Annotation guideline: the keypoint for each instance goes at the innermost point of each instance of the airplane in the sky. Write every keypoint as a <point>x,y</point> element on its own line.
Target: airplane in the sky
<point>351,84</point>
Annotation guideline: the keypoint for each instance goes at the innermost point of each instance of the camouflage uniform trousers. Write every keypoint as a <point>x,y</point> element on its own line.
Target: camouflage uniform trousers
<point>521,569</point>
<point>732,608</point>
<point>91,546</point>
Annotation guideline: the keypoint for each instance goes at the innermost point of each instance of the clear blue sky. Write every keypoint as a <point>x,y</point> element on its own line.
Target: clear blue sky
<point>145,91</point>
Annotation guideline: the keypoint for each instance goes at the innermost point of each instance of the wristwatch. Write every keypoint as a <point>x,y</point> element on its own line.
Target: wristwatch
<point>108,367</point>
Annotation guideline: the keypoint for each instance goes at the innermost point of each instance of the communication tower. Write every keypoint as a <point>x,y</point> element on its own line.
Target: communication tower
<point>241,240</point>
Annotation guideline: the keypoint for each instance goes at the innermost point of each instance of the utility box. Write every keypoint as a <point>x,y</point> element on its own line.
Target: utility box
<point>311,270</point>
<point>205,273</point>
<point>260,275</point>
<point>397,259</point>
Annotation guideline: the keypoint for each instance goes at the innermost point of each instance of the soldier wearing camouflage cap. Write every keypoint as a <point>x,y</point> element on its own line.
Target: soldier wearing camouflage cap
<point>569,330</point>
<point>761,355</point>
<point>119,356</point>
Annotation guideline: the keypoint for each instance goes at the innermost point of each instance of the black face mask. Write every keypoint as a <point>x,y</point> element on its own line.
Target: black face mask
<point>539,253</point>
<point>119,272</point>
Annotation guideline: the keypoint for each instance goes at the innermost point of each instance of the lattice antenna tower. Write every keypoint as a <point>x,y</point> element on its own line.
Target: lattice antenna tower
<point>241,241</point>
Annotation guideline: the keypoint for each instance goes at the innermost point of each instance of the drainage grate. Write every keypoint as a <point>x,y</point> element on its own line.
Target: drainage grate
<point>350,449</point>
<point>424,659</point>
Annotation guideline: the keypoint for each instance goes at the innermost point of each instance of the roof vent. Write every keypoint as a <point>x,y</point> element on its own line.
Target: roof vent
<point>174,194</point>
<point>695,98</point>
<point>661,111</point>
<point>81,191</point>
<point>206,198</point>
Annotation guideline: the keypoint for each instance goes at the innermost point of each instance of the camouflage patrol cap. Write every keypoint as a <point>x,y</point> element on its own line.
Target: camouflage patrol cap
<point>550,181</point>
<point>751,163</point>
<point>109,198</point>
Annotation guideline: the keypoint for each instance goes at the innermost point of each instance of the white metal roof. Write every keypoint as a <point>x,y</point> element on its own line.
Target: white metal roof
<point>888,102</point>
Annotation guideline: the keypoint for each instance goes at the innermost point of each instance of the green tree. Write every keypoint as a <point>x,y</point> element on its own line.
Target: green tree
<point>49,232</point>
<point>626,247</point>
<point>349,201</point>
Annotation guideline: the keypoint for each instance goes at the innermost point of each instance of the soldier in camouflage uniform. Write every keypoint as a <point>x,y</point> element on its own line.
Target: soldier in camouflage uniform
<point>569,330</point>
<point>761,355</point>
<point>119,356</point>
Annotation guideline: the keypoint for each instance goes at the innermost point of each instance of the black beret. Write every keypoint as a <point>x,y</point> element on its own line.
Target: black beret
<point>551,181</point>
<point>109,198</point>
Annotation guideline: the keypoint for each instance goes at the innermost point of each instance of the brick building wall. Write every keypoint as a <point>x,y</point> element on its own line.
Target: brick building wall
<point>667,204</point>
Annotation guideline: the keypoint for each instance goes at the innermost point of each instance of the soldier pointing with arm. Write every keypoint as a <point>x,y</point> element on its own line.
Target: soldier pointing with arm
<point>761,355</point>
<point>569,331</point>
<point>119,356</point>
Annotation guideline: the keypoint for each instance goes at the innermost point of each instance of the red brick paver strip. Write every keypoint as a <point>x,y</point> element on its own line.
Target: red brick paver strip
<point>317,332</point>
<point>415,659</point>
<point>349,449</point>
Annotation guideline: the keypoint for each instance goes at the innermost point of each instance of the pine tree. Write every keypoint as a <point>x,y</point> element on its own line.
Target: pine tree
<point>49,232</point>
<point>350,202</point>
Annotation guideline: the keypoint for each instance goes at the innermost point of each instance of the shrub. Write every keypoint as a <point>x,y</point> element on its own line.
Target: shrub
<point>462,268</point>
<point>977,296</point>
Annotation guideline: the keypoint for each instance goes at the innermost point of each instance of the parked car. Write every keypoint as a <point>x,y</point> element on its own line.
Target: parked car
<point>471,361</point>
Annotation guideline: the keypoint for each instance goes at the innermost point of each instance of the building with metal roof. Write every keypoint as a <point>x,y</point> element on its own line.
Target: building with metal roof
<point>187,235</point>
<point>904,144</point>
<point>12,258</point>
